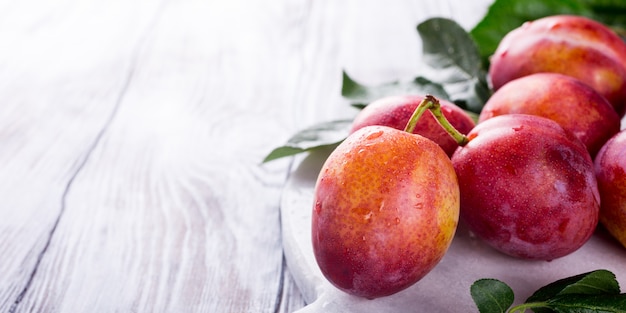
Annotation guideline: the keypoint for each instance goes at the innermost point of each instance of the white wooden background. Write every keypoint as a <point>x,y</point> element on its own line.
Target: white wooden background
<point>131,136</point>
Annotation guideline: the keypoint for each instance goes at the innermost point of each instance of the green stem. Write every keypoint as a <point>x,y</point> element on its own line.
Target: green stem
<point>524,306</point>
<point>432,104</point>
<point>424,106</point>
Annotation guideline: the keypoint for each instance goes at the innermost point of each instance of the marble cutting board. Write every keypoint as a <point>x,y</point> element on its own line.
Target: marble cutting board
<point>446,287</point>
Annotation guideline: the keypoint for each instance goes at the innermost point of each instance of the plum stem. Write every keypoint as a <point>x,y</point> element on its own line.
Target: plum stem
<point>430,103</point>
<point>426,104</point>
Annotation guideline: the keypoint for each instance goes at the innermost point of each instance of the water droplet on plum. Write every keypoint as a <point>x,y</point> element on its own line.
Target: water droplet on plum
<point>368,216</point>
<point>318,207</point>
<point>554,26</point>
<point>374,135</point>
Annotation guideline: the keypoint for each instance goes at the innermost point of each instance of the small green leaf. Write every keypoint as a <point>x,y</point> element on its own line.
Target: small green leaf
<point>361,95</point>
<point>317,136</point>
<point>594,283</point>
<point>454,62</point>
<point>600,303</point>
<point>591,283</point>
<point>491,295</point>
<point>452,70</point>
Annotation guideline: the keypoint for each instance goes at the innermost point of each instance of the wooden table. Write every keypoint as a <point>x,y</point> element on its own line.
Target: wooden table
<point>132,134</point>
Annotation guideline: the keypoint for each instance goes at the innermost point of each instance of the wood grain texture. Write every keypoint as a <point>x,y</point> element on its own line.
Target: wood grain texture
<point>132,135</point>
<point>59,91</point>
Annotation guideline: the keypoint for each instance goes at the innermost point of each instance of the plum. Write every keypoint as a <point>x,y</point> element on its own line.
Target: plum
<point>610,167</point>
<point>527,187</point>
<point>385,210</point>
<point>574,105</point>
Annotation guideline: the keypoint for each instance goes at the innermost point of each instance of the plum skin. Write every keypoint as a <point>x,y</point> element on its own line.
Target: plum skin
<point>610,167</point>
<point>385,210</point>
<point>528,187</point>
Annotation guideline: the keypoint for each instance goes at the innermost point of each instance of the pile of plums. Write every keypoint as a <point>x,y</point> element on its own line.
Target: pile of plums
<point>542,166</point>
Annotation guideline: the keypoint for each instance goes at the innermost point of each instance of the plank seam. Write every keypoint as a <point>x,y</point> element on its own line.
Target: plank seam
<point>120,98</point>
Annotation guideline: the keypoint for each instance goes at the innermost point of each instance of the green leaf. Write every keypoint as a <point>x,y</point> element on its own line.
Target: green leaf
<point>491,295</point>
<point>591,283</point>
<point>454,62</point>
<point>361,95</point>
<point>317,136</point>
<point>594,283</point>
<point>576,303</point>
<point>453,70</point>
<point>506,15</point>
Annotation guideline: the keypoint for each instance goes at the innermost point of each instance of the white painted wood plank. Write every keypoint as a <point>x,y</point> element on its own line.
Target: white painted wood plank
<point>54,106</point>
<point>172,211</point>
